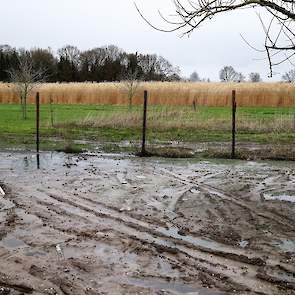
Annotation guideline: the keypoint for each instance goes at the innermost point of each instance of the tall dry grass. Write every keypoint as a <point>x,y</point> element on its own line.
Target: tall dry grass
<point>176,118</point>
<point>165,93</point>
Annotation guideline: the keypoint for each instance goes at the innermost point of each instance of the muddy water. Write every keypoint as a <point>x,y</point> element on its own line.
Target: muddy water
<point>280,197</point>
<point>116,224</point>
<point>166,286</point>
<point>12,243</point>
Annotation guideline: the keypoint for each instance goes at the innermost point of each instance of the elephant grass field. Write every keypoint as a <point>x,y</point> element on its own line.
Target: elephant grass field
<point>79,113</point>
<point>162,93</point>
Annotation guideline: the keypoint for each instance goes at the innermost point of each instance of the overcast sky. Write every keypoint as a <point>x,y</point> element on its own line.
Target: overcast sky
<point>94,23</point>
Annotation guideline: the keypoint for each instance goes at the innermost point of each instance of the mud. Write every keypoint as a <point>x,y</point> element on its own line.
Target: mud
<point>116,224</point>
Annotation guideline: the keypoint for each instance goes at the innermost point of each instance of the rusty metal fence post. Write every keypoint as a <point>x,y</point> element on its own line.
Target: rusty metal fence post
<point>143,150</point>
<point>38,128</point>
<point>234,110</point>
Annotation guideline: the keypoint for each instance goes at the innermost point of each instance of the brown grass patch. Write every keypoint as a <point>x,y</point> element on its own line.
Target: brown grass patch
<point>176,118</point>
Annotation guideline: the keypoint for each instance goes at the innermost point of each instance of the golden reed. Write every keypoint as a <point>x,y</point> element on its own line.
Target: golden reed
<point>163,93</point>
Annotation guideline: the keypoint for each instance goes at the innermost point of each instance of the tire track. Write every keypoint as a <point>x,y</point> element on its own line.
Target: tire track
<point>152,235</point>
<point>228,197</point>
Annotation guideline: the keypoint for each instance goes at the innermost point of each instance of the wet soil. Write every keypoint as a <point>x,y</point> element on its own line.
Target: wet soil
<point>117,224</point>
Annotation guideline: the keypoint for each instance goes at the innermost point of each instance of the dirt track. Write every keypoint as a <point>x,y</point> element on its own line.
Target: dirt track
<point>94,224</point>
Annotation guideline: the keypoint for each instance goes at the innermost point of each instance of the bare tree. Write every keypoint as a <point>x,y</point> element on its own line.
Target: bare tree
<point>240,78</point>
<point>254,77</point>
<point>24,79</point>
<point>70,53</point>
<point>131,84</point>
<point>194,77</point>
<point>113,52</point>
<point>289,77</point>
<point>228,74</point>
<point>166,70</point>
<point>279,30</point>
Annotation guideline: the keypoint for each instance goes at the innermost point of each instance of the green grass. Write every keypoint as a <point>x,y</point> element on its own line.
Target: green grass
<point>69,124</point>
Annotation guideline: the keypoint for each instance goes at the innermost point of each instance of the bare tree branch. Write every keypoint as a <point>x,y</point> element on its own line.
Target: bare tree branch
<point>25,79</point>
<point>131,85</point>
<point>279,32</point>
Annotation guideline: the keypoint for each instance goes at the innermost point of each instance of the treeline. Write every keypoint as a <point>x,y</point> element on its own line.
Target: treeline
<point>108,63</point>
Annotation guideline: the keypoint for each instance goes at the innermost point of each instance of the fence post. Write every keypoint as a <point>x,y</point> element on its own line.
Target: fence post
<point>234,109</point>
<point>143,151</point>
<point>195,105</point>
<point>38,128</point>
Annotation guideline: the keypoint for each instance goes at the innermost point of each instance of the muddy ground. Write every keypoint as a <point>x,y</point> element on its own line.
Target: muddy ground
<point>113,224</point>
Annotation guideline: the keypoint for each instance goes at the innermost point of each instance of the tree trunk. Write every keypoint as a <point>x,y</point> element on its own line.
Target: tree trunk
<point>25,104</point>
<point>130,103</point>
<point>22,106</point>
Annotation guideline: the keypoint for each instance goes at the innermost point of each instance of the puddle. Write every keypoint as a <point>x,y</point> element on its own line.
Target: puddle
<point>243,244</point>
<point>9,291</point>
<point>194,191</point>
<point>105,253</point>
<point>34,254</point>
<point>112,255</point>
<point>28,162</point>
<point>12,243</point>
<point>6,204</point>
<point>199,242</point>
<point>176,288</point>
<point>75,252</point>
<point>285,277</point>
<point>286,245</point>
<point>55,161</point>
<point>47,161</point>
<point>283,197</point>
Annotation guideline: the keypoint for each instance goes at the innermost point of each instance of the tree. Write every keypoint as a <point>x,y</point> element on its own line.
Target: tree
<point>289,77</point>
<point>8,59</point>
<point>194,77</point>
<point>254,77</point>
<point>106,63</point>
<point>69,61</point>
<point>279,43</point>
<point>113,52</point>
<point>25,78</point>
<point>70,53</point>
<point>166,71</point>
<point>92,64</point>
<point>148,64</point>
<point>239,78</point>
<point>228,74</point>
<point>131,84</point>
<point>156,68</point>
<point>44,60</point>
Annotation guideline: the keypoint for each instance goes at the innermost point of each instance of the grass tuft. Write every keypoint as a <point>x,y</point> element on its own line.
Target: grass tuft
<point>71,148</point>
<point>171,152</point>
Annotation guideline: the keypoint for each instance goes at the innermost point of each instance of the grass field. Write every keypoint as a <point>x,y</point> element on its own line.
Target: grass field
<point>112,123</point>
<point>162,93</point>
